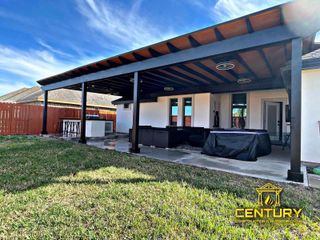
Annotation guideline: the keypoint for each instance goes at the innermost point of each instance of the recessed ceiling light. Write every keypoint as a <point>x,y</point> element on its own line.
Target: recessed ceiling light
<point>225,66</point>
<point>168,89</point>
<point>244,80</point>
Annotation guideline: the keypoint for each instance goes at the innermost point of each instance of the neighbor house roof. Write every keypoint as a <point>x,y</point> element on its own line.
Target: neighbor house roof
<point>60,96</point>
<point>18,94</point>
<point>312,60</point>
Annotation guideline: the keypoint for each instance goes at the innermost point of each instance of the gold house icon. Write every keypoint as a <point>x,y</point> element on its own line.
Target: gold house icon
<point>265,192</point>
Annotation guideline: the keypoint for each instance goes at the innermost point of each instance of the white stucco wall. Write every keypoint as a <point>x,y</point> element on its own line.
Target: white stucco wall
<point>255,111</point>
<point>310,134</point>
<point>256,101</point>
<point>124,119</point>
<point>202,110</point>
<point>156,114</point>
<point>225,110</point>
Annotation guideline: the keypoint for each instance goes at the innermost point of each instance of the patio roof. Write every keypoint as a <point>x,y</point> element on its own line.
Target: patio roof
<point>257,44</point>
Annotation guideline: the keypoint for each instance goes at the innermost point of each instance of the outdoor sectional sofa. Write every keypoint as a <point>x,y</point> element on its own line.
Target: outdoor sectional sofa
<point>241,144</point>
<point>170,137</point>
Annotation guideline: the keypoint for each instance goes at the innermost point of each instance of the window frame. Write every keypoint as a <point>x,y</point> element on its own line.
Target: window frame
<point>170,111</point>
<point>183,112</point>
<point>244,107</point>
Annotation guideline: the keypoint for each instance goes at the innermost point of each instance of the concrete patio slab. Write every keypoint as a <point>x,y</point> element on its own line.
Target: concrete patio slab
<point>314,181</point>
<point>272,167</point>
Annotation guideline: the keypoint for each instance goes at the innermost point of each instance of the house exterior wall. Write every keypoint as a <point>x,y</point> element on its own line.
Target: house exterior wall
<point>157,113</point>
<point>225,110</point>
<point>255,110</point>
<point>204,105</point>
<point>202,109</point>
<point>310,134</point>
<point>124,119</point>
<point>256,101</point>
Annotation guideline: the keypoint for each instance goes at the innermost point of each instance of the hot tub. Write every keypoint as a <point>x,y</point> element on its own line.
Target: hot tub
<point>246,145</point>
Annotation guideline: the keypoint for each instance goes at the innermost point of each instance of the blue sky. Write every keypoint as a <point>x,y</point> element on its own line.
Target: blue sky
<point>40,38</point>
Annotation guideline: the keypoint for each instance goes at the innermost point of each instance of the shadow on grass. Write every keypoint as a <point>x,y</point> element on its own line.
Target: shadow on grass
<point>106,182</point>
<point>31,162</point>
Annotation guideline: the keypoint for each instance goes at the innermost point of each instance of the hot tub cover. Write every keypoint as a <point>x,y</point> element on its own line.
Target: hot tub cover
<point>241,145</point>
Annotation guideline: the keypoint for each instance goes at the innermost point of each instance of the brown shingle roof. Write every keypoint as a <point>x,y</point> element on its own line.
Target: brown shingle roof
<point>312,55</point>
<point>62,96</point>
<point>12,95</point>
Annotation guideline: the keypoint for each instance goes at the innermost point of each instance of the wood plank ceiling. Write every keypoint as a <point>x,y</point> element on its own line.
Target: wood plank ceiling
<point>256,64</point>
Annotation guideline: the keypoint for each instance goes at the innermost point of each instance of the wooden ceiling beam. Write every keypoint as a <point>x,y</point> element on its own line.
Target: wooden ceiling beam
<point>138,57</point>
<point>212,72</point>
<point>265,59</point>
<point>194,43</point>
<point>164,79</point>
<point>173,77</point>
<point>154,53</point>
<point>172,48</point>
<point>182,75</point>
<point>195,73</point>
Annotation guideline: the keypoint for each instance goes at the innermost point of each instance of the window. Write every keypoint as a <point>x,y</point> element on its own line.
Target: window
<point>187,112</point>
<point>173,121</point>
<point>239,110</point>
<point>126,106</point>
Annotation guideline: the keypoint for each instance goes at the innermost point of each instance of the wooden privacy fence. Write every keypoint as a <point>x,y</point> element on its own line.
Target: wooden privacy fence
<point>17,119</point>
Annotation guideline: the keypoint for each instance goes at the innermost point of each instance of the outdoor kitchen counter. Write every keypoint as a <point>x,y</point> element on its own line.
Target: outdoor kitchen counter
<point>246,145</point>
<point>94,127</point>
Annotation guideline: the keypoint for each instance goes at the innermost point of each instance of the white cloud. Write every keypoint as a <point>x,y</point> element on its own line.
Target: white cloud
<point>52,49</point>
<point>225,10</point>
<point>6,87</point>
<point>22,68</point>
<point>32,64</point>
<point>203,4</point>
<point>317,40</point>
<point>125,27</point>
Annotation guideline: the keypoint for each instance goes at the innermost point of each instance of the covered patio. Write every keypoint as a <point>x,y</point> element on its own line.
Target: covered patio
<point>272,167</point>
<point>265,49</point>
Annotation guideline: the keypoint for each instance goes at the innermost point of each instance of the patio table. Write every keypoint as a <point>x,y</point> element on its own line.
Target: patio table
<point>246,145</point>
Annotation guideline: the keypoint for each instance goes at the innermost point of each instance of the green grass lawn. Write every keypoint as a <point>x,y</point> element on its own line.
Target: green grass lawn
<point>57,189</point>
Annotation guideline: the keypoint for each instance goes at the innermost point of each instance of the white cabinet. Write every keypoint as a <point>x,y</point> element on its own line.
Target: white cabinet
<point>94,128</point>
